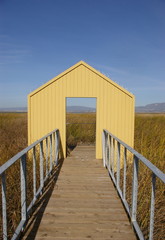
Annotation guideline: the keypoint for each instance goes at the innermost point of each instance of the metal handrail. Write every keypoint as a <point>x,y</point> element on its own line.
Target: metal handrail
<point>54,144</point>
<point>108,144</point>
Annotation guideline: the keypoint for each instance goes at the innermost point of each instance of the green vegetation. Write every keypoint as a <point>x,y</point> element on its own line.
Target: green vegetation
<point>149,141</point>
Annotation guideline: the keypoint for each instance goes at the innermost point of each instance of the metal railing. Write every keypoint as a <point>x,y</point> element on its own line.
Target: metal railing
<point>44,154</point>
<point>116,157</point>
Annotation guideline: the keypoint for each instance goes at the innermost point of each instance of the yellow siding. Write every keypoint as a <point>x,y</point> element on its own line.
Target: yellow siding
<point>115,105</point>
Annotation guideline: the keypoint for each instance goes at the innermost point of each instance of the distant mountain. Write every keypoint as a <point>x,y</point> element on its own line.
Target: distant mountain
<point>19,109</point>
<point>80,109</point>
<point>71,109</point>
<point>151,108</point>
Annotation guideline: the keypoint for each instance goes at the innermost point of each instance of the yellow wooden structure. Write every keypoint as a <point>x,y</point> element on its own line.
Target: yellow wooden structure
<point>115,105</point>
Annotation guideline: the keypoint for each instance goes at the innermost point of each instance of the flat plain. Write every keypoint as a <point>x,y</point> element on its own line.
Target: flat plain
<point>149,141</point>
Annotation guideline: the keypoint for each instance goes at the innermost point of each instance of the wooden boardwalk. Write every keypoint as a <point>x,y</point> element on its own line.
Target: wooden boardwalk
<point>84,203</point>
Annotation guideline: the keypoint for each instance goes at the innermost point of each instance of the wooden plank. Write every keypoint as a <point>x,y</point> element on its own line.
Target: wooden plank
<point>83,205</point>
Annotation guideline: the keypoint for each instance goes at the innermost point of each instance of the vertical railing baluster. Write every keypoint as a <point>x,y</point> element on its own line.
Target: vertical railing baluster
<point>112,155</point>
<point>34,174</point>
<point>56,147</point>
<point>54,152</point>
<point>51,162</point>
<point>135,187</point>
<point>107,153</point>
<point>41,165</point>
<point>103,147</point>
<point>46,157</point>
<point>23,187</point>
<point>4,208</point>
<point>106,149</point>
<point>152,207</point>
<point>110,160</point>
<point>118,165</point>
<point>125,173</point>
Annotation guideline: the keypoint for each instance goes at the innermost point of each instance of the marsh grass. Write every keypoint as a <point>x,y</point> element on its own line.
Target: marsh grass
<point>13,139</point>
<point>149,141</point>
<point>13,128</point>
<point>80,128</point>
<point>13,134</point>
<point>150,138</point>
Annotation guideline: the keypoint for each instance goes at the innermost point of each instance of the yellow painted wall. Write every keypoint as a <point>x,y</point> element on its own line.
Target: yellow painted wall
<point>115,105</point>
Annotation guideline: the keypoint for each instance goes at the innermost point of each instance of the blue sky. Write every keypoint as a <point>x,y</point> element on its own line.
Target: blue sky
<point>81,102</point>
<point>123,39</point>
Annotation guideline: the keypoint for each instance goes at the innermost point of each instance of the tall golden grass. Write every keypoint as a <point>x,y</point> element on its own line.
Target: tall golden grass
<point>80,128</point>
<point>13,134</point>
<point>13,138</point>
<point>150,137</point>
<point>149,141</point>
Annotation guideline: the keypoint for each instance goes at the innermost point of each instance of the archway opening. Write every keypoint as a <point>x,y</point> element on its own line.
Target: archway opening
<point>80,122</point>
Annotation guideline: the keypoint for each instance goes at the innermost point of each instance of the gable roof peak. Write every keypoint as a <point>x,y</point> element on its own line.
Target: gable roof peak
<point>81,62</point>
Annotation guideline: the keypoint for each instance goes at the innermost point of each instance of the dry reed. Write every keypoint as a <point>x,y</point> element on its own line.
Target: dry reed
<point>149,141</point>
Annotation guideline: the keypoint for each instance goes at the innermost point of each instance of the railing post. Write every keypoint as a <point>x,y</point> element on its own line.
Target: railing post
<point>118,165</point>
<point>110,159</point>
<point>23,187</point>
<point>125,173</point>
<point>106,149</point>
<point>46,157</point>
<point>152,207</point>
<point>34,173</point>
<point>41,166</point>
<point>135,187</point>
<point>56,147</point>
<point>108,152</point>
<point>51,161</point>
<point>103,144</point>
<point>4,209</point>
<point>112,155</point>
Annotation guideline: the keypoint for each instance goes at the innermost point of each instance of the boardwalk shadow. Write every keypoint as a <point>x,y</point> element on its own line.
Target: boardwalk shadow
<point>39,208</point>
